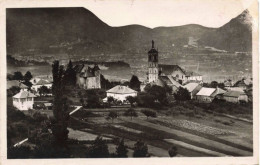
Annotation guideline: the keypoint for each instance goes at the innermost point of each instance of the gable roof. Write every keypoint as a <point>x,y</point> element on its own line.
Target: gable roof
<point>16,83</point>
<point>190,74</point>
<point>42,82</point>
<point>206,91</point>
<point>233,94</point>
<point>168,69</point>
<point>191,86</point>
<point>219,91</point>
<point>23,94</point>
<point>119,89</point>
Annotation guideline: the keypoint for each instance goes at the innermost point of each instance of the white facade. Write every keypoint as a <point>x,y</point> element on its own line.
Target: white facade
<point>121,97</point>
<point>24,100</point>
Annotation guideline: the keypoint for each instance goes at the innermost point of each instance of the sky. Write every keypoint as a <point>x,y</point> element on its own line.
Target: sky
<point>154,13</point>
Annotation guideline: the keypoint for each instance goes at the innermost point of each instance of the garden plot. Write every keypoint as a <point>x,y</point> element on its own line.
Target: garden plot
<point>127,129</point>
<point>195,127</point>
<point>83,136</point>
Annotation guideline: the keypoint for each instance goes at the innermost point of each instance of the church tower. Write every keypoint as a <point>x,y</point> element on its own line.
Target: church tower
<point>153,70</point>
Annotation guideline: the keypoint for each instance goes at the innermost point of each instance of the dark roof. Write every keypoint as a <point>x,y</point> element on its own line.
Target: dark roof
<point>96,68</point>
<point>233,94</point>
<point>190,74</point>
<point>168,69</point>
<point>78,68</point>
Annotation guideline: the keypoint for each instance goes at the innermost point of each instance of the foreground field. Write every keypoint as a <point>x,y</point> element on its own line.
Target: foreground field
<point>193,136</point>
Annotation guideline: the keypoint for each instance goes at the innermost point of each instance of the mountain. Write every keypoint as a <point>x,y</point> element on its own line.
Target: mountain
<point>236,35</point>
<point>79,31</point>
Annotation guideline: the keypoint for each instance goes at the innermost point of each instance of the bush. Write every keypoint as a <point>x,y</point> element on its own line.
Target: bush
<point>131,112</point>
<point>121,150</point>
<point>99,149</point>
<point>112,115</point>
<point>140,149</point>
<point>21,152</point>
<point>173,151</point>
<point>149,113</point>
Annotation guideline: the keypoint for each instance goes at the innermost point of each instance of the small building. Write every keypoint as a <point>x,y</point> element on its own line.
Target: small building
<point>235,96</point>
<point>23,100</point>
<point>193,77</point>
<point>47,106</point>
<point>120,92</point>
<point>41,83</point>
<point>205,95</point>
<point>193,88</point>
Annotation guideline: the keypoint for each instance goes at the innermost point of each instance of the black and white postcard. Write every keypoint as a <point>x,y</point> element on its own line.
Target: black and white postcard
<point>129,82</point>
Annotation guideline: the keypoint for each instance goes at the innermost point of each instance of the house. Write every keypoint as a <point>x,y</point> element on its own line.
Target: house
<point>193,77</point>
<point>88,77</point>
<point>205,95</point>
<point>41,83</point>
<point>174,70</point>
<point>120,92</point>
<point>23,100</point>
<point>244,83</point>
<point>193,88</point>
<point>169,81</point>
<point>235,96</point>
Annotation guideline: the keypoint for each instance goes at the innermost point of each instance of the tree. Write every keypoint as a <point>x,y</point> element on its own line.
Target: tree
<point>121,150</point>
<point>98,149</point>
<point>158,92</point>
<point>135,83</point>
<point>43,90</point>
<point>110,100</point>
<point>182,94</point>
<point>112,115</point>
<point>18,76</point>
<point>131,100</point>
<point>28,76</point>
<point>13,91</point>
<point>131,112</point>
<point>173,151</point>
<point>214,84</point>
<point>93,99</point>
<point>60,107</point>
<point>140,150</point>
<point>149,113</point>
<point>70,75</point>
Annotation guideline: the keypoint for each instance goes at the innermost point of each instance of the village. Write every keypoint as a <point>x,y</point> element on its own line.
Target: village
<point>173,112</point>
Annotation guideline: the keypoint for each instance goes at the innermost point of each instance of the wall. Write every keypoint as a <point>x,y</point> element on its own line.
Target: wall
<point>121,97</point>
<point>25,105</point>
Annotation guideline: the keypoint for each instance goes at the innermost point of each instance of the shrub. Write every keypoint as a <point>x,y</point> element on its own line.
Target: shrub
<point>140,149</point>
<point>149,113</point>
<point>98,149</point>
<point>173,151</point>
<point>112,115</point>
<point>121,150</point>
<point>131,112</point>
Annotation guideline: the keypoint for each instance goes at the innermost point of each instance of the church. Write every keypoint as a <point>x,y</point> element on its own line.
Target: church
<point>172,75</point>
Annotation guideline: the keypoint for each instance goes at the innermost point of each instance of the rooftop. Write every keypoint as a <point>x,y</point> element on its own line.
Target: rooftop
<point>23,94</point>
<point>119,89</point>
<point>206,91</point>
<point>233,94</point>
<point>191,86</point>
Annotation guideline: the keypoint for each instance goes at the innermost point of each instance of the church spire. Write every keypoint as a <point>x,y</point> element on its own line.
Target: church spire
<point>152,44</point>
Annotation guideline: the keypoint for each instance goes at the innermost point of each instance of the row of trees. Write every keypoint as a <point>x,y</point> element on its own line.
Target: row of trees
<point>19,76</point>
<point>132,113</point>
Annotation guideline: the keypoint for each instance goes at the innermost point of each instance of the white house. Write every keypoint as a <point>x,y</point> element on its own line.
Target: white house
<point>120,92</point>
<point>23,100</point>
<point>41,83</point>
